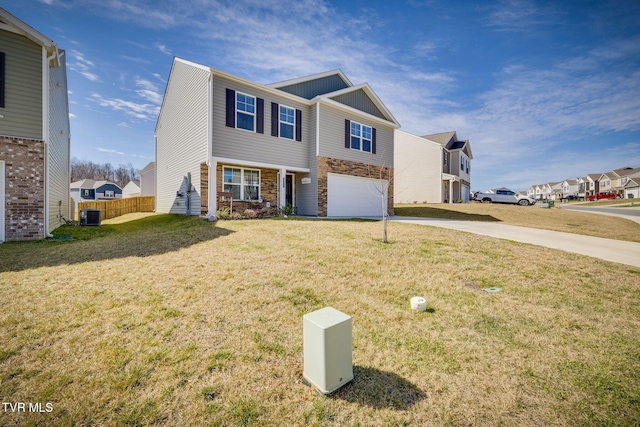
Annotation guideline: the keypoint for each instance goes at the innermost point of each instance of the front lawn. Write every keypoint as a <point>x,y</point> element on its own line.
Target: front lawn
<point>170,320</point>
<point>557,219</point>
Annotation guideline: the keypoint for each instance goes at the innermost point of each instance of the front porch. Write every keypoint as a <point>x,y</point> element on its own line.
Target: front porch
<point>239,186</point>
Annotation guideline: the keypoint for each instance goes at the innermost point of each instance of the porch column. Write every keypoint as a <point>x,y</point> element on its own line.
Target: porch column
<point>282,188</point>
<point>451,182</point>
<point>213,185</point>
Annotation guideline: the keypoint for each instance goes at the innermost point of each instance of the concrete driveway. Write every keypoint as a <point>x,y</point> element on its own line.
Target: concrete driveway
<point>607,249</point>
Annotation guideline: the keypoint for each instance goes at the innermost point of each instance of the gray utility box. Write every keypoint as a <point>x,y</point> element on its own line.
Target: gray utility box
<point>327,349</point>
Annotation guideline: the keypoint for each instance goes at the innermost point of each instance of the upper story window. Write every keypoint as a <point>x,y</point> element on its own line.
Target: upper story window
<point>245,111</point>
<point>361,137</point>
<point>109,193</point>
<point>287,122</point>
<point>243,183</point>
<point>86,192</point>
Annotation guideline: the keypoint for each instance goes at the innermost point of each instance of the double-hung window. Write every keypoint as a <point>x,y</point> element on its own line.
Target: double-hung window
<point>287,122</point>
<point>360,137</point>
<point>245,111</point>
<point>244,184</point>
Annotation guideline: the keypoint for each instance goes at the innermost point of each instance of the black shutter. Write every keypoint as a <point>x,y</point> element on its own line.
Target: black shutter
<point>274,119</point>
<point>260,115</point>
<point>347,133</point>
<point>373,140</point>
<point>298,125</point>
<point>1,79</point>
<point>231,108</point>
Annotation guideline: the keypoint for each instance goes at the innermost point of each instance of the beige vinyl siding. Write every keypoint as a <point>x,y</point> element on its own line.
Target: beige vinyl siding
<point>182,137</point>
<point>307,194</point>
<point>23,87</point>
<point>59,145</point>
<point>332,135</point>
<point>232,143</point>
<point>417,169</point>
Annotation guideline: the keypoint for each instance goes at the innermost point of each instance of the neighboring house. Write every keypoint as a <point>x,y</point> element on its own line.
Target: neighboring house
<point>570,187</point>
<point>582,187</point>
<point>618,183</point>
<point>148,180</point>
<point>318,143</point>
<point>34,132</point>
<point>592,183</point>
<point>89,190</point>
<point>432,168</point>
<point>132,189</point>
<point>632,185</point>
<point>606,182</point>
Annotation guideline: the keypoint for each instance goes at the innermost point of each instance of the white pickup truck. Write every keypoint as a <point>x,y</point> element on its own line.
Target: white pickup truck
<point>504,196</point>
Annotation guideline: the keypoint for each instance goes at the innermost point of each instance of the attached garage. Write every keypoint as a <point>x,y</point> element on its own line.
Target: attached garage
<point>352,196</point>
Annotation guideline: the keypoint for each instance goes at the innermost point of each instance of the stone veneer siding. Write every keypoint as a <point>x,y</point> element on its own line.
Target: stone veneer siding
<point>268,189</point>
<point>328,165</point>
<point>24,187</point>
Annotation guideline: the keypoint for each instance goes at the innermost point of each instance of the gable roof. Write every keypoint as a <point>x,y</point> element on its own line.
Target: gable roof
<point>441,138</point>
<point>346,87</point>
<point>149,167</point>
<point>313,85</point>
<point>91,183</point>
<point>9,22</point>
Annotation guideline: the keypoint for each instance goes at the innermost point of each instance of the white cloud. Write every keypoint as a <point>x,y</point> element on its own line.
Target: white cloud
<point>145,112</point>
<point>82,66</point>
<point>162,48</point>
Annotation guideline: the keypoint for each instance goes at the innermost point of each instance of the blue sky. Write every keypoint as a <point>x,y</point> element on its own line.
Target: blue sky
<point>543,90</point>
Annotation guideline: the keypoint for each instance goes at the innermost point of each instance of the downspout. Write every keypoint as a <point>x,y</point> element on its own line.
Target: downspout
<point>46,131</point>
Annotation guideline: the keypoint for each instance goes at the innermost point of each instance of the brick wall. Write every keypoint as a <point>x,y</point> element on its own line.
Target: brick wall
<point>328,165</point>
<point>268,190</point>
<point>24,188</point>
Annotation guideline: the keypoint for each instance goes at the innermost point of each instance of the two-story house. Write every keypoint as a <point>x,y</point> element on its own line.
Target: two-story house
<point>89,190</point>
<point>318,143</point>
<point>570,187</point>
<point>432,168</point>
<point>34,132</point>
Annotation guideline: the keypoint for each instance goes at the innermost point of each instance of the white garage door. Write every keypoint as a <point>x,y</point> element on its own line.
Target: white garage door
<point>353,196</point>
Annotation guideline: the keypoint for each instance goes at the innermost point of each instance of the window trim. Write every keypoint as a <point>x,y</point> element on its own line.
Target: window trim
<point>280,122</point>
<point>360,137</point>
<point>242,183</point>
<point>253,115</point>
<point>109,193</point>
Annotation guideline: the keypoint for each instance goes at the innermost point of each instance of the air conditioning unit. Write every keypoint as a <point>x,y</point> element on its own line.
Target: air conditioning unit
<point>90,217</point>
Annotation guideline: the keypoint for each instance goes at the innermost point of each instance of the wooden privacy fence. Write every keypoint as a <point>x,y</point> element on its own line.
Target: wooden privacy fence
<point>113,208</point>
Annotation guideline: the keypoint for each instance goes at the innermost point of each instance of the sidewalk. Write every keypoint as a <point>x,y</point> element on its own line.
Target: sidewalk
<point>607,249</point>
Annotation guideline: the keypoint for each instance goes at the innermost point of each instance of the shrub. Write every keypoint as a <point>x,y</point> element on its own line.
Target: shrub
<point>223,213</point>
<point>287,209</point>
<point>236,215</point>
<point>250,213</point>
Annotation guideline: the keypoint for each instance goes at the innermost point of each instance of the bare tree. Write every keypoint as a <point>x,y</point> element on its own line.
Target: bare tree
<point>83,169</point>
<point>384,180</point>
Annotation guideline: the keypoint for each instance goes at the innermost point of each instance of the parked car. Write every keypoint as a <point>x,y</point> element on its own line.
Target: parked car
<point>601,196</point>
<point>570,197</point>
<point>504,196</point>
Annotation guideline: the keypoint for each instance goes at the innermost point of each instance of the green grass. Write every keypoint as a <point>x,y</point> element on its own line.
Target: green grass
<point>169,320</point>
